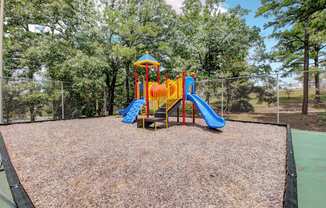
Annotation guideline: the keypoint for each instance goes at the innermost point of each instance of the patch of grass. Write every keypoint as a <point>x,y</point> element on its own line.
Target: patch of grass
<point>322,118</point>
<point>298,94</point>
<point>323,97</point>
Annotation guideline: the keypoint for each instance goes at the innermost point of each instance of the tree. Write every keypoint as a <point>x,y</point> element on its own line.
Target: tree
<point>288,89</point>
<point>218,44</point>
<point>266,91</point>
<point>214,41</point>
<point>39,44</point>
<point>22,46</point>
<point>301,12</point>
<point>134,28</point>
<point>90,46</point>
<point>318,45</point>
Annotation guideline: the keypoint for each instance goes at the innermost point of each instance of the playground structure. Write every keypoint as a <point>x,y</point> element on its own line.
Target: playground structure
<point>155,101</point>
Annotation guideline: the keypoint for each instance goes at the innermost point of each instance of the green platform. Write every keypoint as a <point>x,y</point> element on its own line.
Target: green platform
<point>310,157</point>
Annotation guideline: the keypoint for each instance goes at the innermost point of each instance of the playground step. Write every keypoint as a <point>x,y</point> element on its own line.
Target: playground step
<point>162,109</point>
<point>160,114</point>
<point>148,122</point>
<point>173,105</point>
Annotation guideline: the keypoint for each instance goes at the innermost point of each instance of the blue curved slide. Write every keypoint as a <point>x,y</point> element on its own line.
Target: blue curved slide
<point>133,111</point>
<point>212,119</point>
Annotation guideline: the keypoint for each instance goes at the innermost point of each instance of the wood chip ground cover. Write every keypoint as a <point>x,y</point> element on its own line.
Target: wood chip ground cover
<point>102,162</point>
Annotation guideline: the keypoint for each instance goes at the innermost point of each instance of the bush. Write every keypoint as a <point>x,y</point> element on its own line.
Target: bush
<point>241,106</point>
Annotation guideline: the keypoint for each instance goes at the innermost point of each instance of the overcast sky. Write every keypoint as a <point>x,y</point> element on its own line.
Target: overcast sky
<point>177,4</point>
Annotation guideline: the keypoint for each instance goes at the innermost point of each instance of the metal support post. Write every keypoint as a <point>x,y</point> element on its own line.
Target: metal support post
<point>2,4</point>
<point>278,97</point>
<point>62,102</point>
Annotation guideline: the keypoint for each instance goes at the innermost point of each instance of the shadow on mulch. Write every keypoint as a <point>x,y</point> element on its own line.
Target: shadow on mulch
<point>175,123</point>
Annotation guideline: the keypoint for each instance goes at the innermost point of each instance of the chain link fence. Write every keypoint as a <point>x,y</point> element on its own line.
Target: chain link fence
<point>266,98</point>
<point>272,98</point>
<point>25,100</point>
<point>36,100</point>
<point>291,96</point>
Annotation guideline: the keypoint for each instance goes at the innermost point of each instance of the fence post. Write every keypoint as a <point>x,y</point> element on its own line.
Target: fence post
<point>62,102</point>
<point>278,97</point>
<point>2,4</point>
<point>222,100</point>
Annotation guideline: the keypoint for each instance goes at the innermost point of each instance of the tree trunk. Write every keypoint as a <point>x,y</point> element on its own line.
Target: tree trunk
<point>32,112</point>
<point>208,94</point>
<point>127,85</point>
<point>228,95</point>
<point>111,89</point>
<point>111,95</point>
<point>97,112</point>
<point>31,105</point>
<point>317,83</point>
<point>305,69</point>
<point>54,102</point>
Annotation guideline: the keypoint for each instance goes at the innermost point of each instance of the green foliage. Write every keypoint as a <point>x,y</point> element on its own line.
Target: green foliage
<point>91,45</point>
<point>215,42</point>
<point>298,25</point>
<point>266,92</point>
<point>22,96</point>
<point>238,95</point>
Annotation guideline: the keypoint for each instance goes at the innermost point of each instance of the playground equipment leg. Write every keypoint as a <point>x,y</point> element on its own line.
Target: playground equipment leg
<point>147,95</point>
<point>193,114</point>
<point>193,105</point>
<point>178,114</point>
<point>183,98</point>
<point>136,82</point>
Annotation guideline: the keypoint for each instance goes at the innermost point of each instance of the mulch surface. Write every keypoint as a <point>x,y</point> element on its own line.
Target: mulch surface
<point>102,162</point>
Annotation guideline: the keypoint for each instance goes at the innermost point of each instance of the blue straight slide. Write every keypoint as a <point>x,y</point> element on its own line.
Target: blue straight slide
<point>133,112</point>
<point>124,111</point>
<point>212,119</point>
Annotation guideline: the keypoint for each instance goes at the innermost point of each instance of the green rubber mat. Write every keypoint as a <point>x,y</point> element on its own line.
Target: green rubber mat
<point>310,157</point>
<point>6,200</point>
